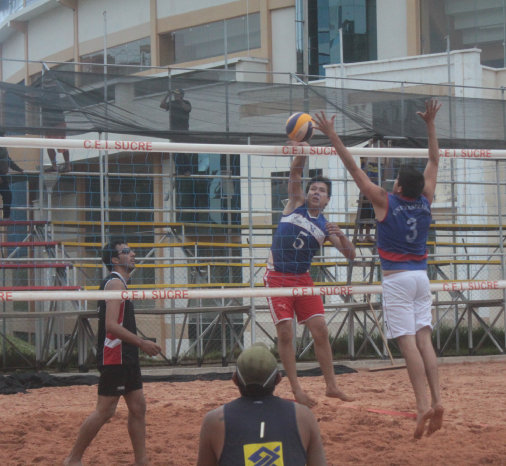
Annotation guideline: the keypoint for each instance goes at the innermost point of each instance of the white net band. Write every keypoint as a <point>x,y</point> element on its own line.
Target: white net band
<point>184,293</point>
<point>179,147</point>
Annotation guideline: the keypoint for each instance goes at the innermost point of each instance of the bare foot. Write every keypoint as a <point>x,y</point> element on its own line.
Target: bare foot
<point>421,419</point>
<point>336,393</point>
<point>436,420</point>
<point>304,399</point>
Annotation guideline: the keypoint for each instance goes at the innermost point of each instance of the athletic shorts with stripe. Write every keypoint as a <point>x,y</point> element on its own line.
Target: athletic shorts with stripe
<point>284,308</point>
<point>407,302</point>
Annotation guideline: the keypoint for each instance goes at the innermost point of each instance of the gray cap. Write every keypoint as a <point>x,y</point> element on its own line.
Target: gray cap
<point>256,365</point>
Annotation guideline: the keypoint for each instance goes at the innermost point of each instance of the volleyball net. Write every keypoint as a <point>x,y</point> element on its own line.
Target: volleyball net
<point>200,218</point>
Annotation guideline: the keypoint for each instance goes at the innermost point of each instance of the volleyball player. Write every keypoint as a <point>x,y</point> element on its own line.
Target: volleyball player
<point>259,427</point>
<point>403,220</point>
<point>117,359</point>
<point>301,232</point>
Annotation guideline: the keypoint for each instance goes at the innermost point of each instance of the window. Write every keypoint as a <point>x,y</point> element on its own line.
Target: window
<point>201,198</point>
<point>135,53</point>
<point>473,23</point>
<point>208,40</point>
<point>357,18</point>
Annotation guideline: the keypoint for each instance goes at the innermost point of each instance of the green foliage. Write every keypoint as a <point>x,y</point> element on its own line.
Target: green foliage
<point>18,353</point>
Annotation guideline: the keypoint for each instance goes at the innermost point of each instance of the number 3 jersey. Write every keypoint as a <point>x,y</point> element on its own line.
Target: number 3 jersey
<point>402,234</point>
<point>296,240</point>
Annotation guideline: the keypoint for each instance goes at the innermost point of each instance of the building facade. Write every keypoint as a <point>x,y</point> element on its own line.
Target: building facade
<point>342,48</point>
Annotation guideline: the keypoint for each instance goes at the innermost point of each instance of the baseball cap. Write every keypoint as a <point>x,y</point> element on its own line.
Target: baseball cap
<point>178,91</point>
<point>256,365</point>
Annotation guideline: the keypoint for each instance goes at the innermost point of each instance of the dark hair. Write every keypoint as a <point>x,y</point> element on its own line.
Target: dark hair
<point>109,251</point>
<point>411,181</point>
<point>320,179</point>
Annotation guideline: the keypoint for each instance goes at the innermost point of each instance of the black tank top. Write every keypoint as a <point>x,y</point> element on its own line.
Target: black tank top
<point>261,431</point>
<point>111,350</point>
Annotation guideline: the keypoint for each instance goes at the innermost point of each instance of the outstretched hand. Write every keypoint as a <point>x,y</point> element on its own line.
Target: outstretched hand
<point>323,124</point>
<point>431,108</point>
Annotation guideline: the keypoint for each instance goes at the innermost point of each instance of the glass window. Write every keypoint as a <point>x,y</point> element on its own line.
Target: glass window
<point>208,40</point>
<point>201,198</point>
<point>357,18</point>
<point>135,53</point>
<point>469,24</point>
<point>9,7</point>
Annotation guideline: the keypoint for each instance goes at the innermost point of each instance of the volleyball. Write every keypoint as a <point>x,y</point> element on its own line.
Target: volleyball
<point>299,127</point>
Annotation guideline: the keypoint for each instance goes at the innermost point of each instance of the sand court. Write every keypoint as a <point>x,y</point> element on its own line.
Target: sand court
<point>40,426</point>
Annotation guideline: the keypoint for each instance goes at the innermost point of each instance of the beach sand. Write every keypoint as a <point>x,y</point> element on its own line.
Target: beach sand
<point>40,426</point>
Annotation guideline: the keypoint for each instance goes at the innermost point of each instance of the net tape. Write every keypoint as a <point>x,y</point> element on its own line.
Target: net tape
<point>183,293</point>
<point>287,150</point>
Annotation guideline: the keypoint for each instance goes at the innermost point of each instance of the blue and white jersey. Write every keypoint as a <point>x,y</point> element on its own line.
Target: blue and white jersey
<point>402,234</point>
<point>296,240</point>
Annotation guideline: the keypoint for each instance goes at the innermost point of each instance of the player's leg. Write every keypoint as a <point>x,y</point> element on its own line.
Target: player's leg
<point>424,344</point>
<point>286,350</point>
<point>323,352</point>
<point>66,160</point>
<point>105,409</point>
<point>137,424</point>
<point>399,293</point>
<point>282,312</point>
<point>52,157</point>
<point>416,372</point>
<point>423,325</point>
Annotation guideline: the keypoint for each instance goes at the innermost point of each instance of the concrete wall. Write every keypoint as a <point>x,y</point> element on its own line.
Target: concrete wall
<point>391,20</point>
<point>284,57</point>
<point>49,32</point>
<point>465,69</point>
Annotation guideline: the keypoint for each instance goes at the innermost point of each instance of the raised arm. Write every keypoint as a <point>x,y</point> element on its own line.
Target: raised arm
<point>296,195</point>
<point>165,103</point>
<point>373,192</point>
<point>431,169</point>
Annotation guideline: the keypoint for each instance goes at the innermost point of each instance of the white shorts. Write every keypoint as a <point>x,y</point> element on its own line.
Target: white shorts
<point>407,303</point>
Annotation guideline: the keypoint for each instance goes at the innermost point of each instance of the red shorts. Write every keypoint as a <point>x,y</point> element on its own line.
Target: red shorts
<point>284,307</point>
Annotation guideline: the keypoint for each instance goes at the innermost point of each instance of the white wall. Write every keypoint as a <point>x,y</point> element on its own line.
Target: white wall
<point>284,57</point>
<point>13,48</point>
<point>178,7</point>
<point>121,15</point>
<point>464,65</point>
<point>50,32</point>
<point>391,23</point>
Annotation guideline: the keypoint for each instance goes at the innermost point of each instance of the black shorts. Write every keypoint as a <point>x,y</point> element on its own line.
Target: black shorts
<point>119,380</point>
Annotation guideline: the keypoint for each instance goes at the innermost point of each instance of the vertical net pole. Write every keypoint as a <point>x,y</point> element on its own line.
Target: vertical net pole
<point>501,241</point>
<point>250,249</point>
<point>101,187</point>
